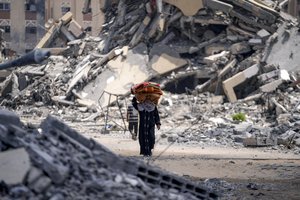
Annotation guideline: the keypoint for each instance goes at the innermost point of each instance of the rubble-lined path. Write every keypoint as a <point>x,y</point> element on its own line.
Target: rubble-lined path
<point>246,173</point>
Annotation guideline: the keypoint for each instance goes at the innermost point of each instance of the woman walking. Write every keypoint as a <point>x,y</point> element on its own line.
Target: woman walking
<point>149,117</point>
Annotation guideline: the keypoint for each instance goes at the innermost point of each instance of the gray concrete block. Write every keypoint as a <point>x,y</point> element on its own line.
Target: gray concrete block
<point>41,184</point>
<point>255,41</point>
<point>7,117</point>
<point>55,170</point>
<point>33,175</point>
<point>263,34</point>
<point>269,87</point>
<point>242,128</point>
<point>260,141</point>
<point>14,165</point>
<point>8,135</point>
<point>297,142</point>
<point>249,142</point>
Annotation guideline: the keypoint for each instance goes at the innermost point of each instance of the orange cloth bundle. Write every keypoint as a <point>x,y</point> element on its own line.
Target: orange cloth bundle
<point>147,91</point>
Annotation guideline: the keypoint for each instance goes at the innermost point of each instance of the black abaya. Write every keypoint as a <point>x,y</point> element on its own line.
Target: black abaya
<point>147,122</point>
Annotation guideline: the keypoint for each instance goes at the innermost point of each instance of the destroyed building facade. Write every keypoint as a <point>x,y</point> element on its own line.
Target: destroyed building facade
<point>225,56</point>
<point>24,21</point>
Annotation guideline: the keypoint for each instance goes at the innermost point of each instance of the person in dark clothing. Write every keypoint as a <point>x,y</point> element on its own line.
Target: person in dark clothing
<point>149,117</point>
<point>133,121</point>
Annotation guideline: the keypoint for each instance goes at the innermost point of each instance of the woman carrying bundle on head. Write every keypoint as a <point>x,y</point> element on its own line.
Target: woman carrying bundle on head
<point>145,101</point>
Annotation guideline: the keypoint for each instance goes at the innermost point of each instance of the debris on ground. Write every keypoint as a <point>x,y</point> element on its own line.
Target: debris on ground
<point>229,74</point>
<point>53,161</point>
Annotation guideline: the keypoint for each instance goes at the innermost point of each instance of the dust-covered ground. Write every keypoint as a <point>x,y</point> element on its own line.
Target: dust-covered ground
<point>237,173</point>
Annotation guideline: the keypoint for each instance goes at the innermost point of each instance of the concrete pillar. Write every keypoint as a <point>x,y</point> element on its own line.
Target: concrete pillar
<point>292,8</point>
<point>78,5</point>
<point>98,17</point>
<point>56,6</point>
<point>17,31</point>
<point>40,18</point>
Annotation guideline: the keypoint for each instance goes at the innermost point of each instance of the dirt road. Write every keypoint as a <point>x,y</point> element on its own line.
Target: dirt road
<point>243,173</point>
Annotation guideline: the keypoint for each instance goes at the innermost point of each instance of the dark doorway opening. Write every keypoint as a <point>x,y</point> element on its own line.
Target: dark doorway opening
<point>185,83</point>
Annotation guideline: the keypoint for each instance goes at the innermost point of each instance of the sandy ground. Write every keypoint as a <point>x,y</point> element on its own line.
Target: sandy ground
<point>253,173</point>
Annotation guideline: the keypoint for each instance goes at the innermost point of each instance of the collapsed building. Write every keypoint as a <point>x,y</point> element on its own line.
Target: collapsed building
<point>226,55</point>
<point>241,50</point>
<point>215,46</point>
<point>222,45</point>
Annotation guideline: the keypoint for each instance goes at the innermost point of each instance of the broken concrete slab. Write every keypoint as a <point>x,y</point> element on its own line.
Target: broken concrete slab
<point>216,99</point>
<point>269,75</point>
<point>33,175</point>
<point>229,84</point>
<point>163,59</point>
<point>85,102</point>
<point>139,33</point>
<point>49,36</point>
<point>259,10</point>
<point>255,41</point>
<point>14,166</point>
<point>228,67</point>
<point>66,25</point>
<point>242,128</point>
<point>41,184</point>
<point>80,73</point>
<point>218,5</point>
<point>188,7</point>
<point>62,100</point>
<point>54,169</point>
<point>75,29</point>
<point>120,75</point>
<point>286,138</point>
<point>66,18</point>
<point>285,49</point>
<point>259,141</point>
<point>9,117</point>
<point>213,58</point>
<point>269,87</point>
<point>263,34</point>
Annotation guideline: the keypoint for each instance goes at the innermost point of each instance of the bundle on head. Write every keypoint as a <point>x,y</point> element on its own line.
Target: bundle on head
<point>147,91</point>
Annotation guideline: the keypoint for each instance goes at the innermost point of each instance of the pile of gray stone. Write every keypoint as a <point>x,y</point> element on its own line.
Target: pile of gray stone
<point>55,162</point>
<point>204,119</point>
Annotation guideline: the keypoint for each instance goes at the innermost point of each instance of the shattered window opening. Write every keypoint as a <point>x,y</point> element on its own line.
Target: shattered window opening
<point>31,30</point>
<point>4,6</point>
<point>65,9</point>
<point>88,29</point>
<point>30,7</point>
<point>6,29</point>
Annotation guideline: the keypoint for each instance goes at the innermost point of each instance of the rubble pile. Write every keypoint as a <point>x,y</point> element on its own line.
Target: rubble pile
<point>270,120</point>
<point>230,44</point>
<point>55,162</point>
<point>242,52</point>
